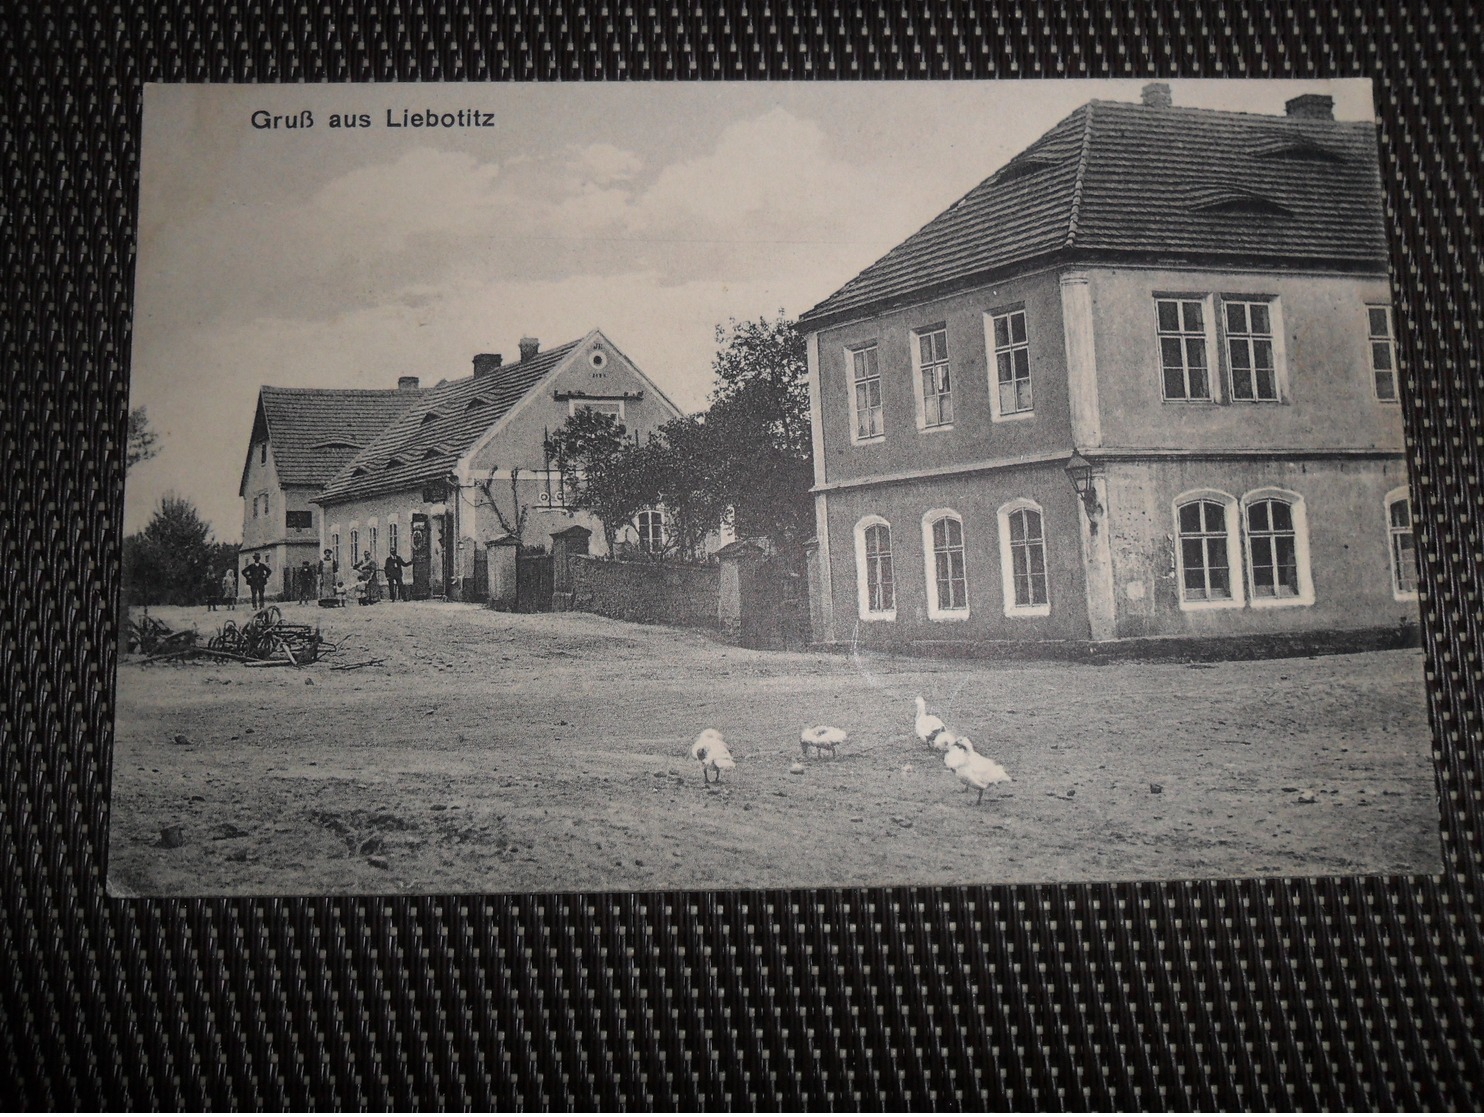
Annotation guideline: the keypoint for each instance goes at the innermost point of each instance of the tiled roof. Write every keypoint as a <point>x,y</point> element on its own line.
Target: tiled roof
<point>315,431</point>
<point>427,440</point>
<point>1116,178</point>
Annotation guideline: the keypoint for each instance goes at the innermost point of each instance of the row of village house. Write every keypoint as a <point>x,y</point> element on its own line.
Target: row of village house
<point>1141,382</point>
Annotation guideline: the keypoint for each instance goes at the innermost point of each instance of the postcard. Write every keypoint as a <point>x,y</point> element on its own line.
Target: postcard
<point>610,487</point>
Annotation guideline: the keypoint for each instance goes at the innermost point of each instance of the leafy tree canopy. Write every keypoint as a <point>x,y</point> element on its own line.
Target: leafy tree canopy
<point>142,441</point>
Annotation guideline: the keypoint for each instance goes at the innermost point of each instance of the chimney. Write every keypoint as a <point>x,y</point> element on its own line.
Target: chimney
<point>1157,95</point>
<point>406,383</point>
<point>1311,106</point>
<point>486,362</point>
<point>529,347</point>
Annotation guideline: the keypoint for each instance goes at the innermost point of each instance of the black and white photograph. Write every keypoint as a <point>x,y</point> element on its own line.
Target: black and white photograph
<point>606,488</point>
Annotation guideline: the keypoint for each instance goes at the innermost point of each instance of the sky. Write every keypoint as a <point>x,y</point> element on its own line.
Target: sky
<point>337,257</point>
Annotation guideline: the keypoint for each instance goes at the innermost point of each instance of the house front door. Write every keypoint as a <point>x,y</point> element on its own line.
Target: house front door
<point>422,557</point>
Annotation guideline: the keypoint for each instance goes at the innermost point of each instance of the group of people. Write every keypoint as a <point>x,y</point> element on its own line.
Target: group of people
<point>307,584</point>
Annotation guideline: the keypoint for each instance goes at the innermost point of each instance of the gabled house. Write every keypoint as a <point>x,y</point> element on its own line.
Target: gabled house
<point>1140,382</point>
<point>465,465</point>
<point>302,437</point>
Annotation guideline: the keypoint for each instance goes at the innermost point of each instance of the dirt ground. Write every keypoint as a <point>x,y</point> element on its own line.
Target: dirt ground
<point>496,752</point>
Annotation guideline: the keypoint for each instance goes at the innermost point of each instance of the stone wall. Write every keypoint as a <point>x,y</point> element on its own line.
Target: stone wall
<point>646,592</point>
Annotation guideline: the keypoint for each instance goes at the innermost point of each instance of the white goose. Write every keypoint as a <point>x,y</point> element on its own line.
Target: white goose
<point>821,737</point>
<point>712,753</point>
<point>929,727</point>
<point>972,769</point>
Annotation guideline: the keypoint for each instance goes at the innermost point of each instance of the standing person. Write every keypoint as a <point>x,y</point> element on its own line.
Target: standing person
<point>328,568</point>
<point>211,589</point>
<point>229,587</point>
<point>394,566</point>
<point>256,575</point>
<point>306,582</point>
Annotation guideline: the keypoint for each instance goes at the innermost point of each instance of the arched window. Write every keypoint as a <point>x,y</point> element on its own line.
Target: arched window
<point>651,526</point>
<point>1206,531</point>
<point>947,579</point>
<point>1402,544</point>
<point>1023,560</point>
<point>1277,548</point>
<point>876,589</point>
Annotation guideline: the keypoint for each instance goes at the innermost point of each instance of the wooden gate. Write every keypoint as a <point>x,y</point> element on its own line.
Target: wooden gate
<point>775,608</point>
<point>533,583</point>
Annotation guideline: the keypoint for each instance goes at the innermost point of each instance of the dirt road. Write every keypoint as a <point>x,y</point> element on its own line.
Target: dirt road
<point>497,752</point>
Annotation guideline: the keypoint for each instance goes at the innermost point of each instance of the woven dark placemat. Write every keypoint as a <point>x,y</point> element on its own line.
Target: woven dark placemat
<point>1354,993</point>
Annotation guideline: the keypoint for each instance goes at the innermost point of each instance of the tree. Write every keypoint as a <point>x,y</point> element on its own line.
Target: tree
<point>601,470</point>
<point>515,523</point>
<point>169,562</point>
<point>759,422</point>
<point>142,442</point>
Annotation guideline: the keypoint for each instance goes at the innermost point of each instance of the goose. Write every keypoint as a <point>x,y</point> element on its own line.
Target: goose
<point>930,728</point>
<point>713,754</point>
<point>972,769</point>
<point>821,737</point>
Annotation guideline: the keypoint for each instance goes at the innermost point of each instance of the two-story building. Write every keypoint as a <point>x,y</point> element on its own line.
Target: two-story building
<point>465,466</point>
<point>1140,382</point>
<point>302,437</point>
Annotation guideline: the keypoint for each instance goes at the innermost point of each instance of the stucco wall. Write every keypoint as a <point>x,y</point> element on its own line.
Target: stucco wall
<point>976,499</point>
<point>647,592</point>
<point>1330,400</point>
<point>975,437</point>
<point>1349,554</point>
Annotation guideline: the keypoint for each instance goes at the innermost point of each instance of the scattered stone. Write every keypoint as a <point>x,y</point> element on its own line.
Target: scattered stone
<point>796,768</point>
<point>1290,789</point>
<point>429,713</point>
<point>857,818</point>
<point>439,807</point>
<point>378,862</point>
<point>1156,789</point>
<point>172,837</point>
<point>182,739</point>
<point>904,823</point>
<point>249,732</point>
<point>1306,796</point>
<point>225,831</point>
<point>198,799</point>
<point>308,682</point>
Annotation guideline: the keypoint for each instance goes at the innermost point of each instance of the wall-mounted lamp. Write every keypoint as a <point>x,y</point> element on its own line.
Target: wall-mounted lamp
<point>1079,472</point>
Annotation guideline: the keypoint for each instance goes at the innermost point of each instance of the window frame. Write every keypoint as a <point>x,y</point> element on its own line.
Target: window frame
<point>1208,335</point>
<point>1390,339</point>
<point>992,351</point>
<point>1274,337</point>
<point>1401,495</point>
<point>862,569</point>
<point>852,382</point>
<point>305,513</point>
<point>1232,520</point>
<point>576,405</point>
<point>393,533</point>
<point>1007,559</point>
<point>1299,514</point>
<point>335,546</point>
<point>655,515</point>
<point>918,368</point>
<point>935,611</point>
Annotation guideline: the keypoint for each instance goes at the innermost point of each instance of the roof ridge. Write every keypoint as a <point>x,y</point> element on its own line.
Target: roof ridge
<point>1083,158</point>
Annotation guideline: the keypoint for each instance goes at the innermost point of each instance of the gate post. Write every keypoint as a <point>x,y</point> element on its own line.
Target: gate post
<point>734,558</point>
<point>501,559</point>
<point>565,543</point>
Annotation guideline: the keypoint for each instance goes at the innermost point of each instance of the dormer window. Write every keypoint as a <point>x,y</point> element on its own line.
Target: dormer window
<point>1232,200</point>
<point>431,417</point>
<point>1022,168</point>
<point>475,402</point>
<point>1298,149</point>
<point>395,463</point>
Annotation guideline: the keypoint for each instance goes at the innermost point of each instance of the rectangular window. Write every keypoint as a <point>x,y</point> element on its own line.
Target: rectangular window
<point>865,401</point>
<point>1383,352</point>
<point>263,453</point>
<point>300,521</point>
<point>1250,351</point>
<point>392,546</point>
<point>932,366</point>
<point>335,549</point>
<point>948,565</point>
<point>255,508</point>
<point>1205,570</point>
<point>1274,546</point>
<point>1403,548</point>
<point>1184,363</point>
<point>1027,558</point>
<point>371,542</point>
<point>355,547</point>
<point>602,407</point>
<point>1011,361</point>
<point>880,586</point>
<point>651,524</point>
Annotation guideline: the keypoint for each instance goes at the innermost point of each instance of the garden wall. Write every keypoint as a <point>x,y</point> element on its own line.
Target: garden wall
<point>646,592</point>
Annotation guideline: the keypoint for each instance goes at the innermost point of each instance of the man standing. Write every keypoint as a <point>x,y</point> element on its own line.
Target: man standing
<point>306,582</point>
<point>256,575</point>
<point>394,566</point>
